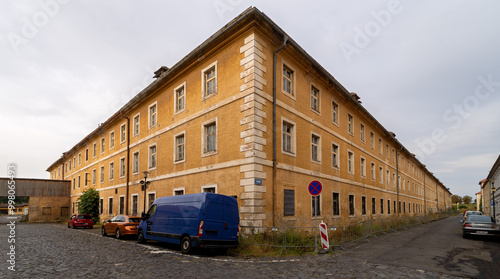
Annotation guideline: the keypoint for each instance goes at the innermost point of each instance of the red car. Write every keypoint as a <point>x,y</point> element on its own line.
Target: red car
<point>81,220</point>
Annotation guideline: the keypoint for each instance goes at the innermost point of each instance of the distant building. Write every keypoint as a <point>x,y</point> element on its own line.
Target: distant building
<point>478,201</point>
<point>210,123</point>
<point>489,193</point>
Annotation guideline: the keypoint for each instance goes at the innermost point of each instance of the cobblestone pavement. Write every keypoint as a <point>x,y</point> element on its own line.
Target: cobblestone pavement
<point>54,251</point>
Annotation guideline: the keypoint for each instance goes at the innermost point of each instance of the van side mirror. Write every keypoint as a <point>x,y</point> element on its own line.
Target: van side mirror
<point>144,216</point>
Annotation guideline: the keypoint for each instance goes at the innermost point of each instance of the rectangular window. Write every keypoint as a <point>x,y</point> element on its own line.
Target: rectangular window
<point>373,206</point>
<point>94,176</point>
<point>336,204</point>
<point>315,148</point>
<point>288,137</point>
<point>135,162</point>
<point>111,170</point>
<point>289,202</point>
<point>123,130</point>
<point>179,148</point>
<point>380,148</point>
<point>316,205</point>
<point>111,140</point>
<point>350,162</point>
<point>208,189</point>
<point>314,99</point>
<point>69,164</point>
<point>372,170</point>
<point>288,80</point>
<point>210,81</point>
<point>388,207</point>
<point>152,157</point>
<point>122,167</point>
<point>178,192</point>
<point>363,205</point>
<point>363,167</point>
<point>101,205</point>
<point>351,205</point>
<point>94,150</point>
<point>362,132</point>
<point>180,98</point>
<point>74,183</point>
<point>381,206</point>
<point>372,143</point>
<point>394,207</point>
<point>102,174</point>
<point>151,199</point>
<point>210,136</point>
<point>110,206</point>
<point>135,201</point>
<point>86,155</point>
<point>86,182</point>
<point>387,151</point>
<point>335,158</point>
<point>152,115</point>
<point>350,123</point>
<point>381,175</point>
<point>79,159</point>
<point>78,182</point>
<point>137,124</point>
<point>388,178</point>
<point>393,180</point>
<point>122,205</point>
<point>103,144</point>
<point>335,113</point>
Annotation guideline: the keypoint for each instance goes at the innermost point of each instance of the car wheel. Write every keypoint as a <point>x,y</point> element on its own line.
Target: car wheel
<point>140,237</point>
<point>117,234</point>
<point>68,226</point>
<point>91,227</point>
<point>103,231</point>
<point>186,245</point>
<point>74,226</point>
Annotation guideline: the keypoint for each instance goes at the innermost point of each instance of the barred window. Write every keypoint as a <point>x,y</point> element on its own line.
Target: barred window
<point>289,203</point>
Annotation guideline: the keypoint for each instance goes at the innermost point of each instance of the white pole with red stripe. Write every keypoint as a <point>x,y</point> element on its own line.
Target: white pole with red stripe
<point>324,236</point>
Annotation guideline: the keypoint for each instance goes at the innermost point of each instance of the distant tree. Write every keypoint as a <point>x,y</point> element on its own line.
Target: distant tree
<point>89,203</point>
<point>456,198</point>
<point>467,199</point>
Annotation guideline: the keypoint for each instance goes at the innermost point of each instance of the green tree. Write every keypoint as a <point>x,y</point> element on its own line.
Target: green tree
<point>89,203</point>
<point>467,199</point>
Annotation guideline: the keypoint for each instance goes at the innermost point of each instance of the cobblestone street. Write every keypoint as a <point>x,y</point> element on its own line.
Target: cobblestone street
<point>54,251</point>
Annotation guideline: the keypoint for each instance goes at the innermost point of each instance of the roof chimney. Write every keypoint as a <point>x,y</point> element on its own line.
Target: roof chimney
<point>356,97</point>
<point>160,71</point>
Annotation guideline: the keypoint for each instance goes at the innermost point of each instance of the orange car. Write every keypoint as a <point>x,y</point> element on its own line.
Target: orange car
<point>121,225</point>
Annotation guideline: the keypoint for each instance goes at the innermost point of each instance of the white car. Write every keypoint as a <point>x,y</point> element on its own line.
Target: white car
<point>469,213</point>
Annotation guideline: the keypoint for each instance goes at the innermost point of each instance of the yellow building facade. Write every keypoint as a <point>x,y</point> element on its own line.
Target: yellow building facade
<point>215,122</point>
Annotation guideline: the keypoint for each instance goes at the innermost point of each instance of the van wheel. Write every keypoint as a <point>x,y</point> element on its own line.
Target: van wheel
<point>140,237</point>
<point>117,234</point>
<point>186,245</point>
<point>103,231</point>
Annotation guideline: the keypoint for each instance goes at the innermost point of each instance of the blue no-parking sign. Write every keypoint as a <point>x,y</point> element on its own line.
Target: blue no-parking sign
<point>315,188</point>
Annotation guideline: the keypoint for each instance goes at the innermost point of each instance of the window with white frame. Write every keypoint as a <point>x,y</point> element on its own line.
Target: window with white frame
<point>210,137</point>
<point>102,174</point>
<point>363,167</point>
<point>94,150</point>
<point>179,191</point>
<point>110,206</point>
<point>381,206</point>
<point>351,205</point>
<point>335,155</point>
<point>103,144</point>
<point>151,198</point>
<point>74,183</point>
<point>372,170</point>
<point>152,115</point>
<point>387,151</point>
<point>135,204</point>
<point>136,124</point>
<point>393,180</point>
<point>381,174</point>
<point>111,171</point>
<point>101,205</point>
<point>315,148</point>
<point>179,140</point>
<point>69,164</point>
<point>336,204</point>
<point>380,148</point>
<point>123,131</point>
<point>74,162</point>
<point>388,178</point>
<point>288,80</point>
<point>111,139</point>
<point>121,205</point>
<point>209,78</point>
<point>315,99</point>
<point>288,136</point>
<point>372,143</point>
<point>94,176</point>
<point>135,162</point>
<point>79,159</point>
<point>86,177</point>
<point>152,157</point>
<point>316,205</point>
<point>180,98</point>
<point>79,182</point>
<point>363,205</point>
<point>335,113</point>
<point>373,206</point>
<point>122,167</point>
<point>350,162</point>
<point>209,188</point>
<point>350,124</point>
<point>362,132</point>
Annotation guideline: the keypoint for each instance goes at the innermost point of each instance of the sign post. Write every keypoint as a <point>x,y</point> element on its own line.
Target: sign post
<point>315,188</point>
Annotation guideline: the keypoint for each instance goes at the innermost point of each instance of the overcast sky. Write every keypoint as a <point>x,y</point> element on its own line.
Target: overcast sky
<point>427,70</point>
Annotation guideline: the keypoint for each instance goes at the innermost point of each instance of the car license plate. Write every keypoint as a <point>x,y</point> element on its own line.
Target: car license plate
<point>481,232</point>
<point>85,223</point>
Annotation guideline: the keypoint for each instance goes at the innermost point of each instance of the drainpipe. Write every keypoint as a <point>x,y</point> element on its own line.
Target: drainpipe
<point>285,39</point>
<point>127,167</point>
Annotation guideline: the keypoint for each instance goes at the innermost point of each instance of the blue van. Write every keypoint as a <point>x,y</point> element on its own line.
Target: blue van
<point>204,220</point>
